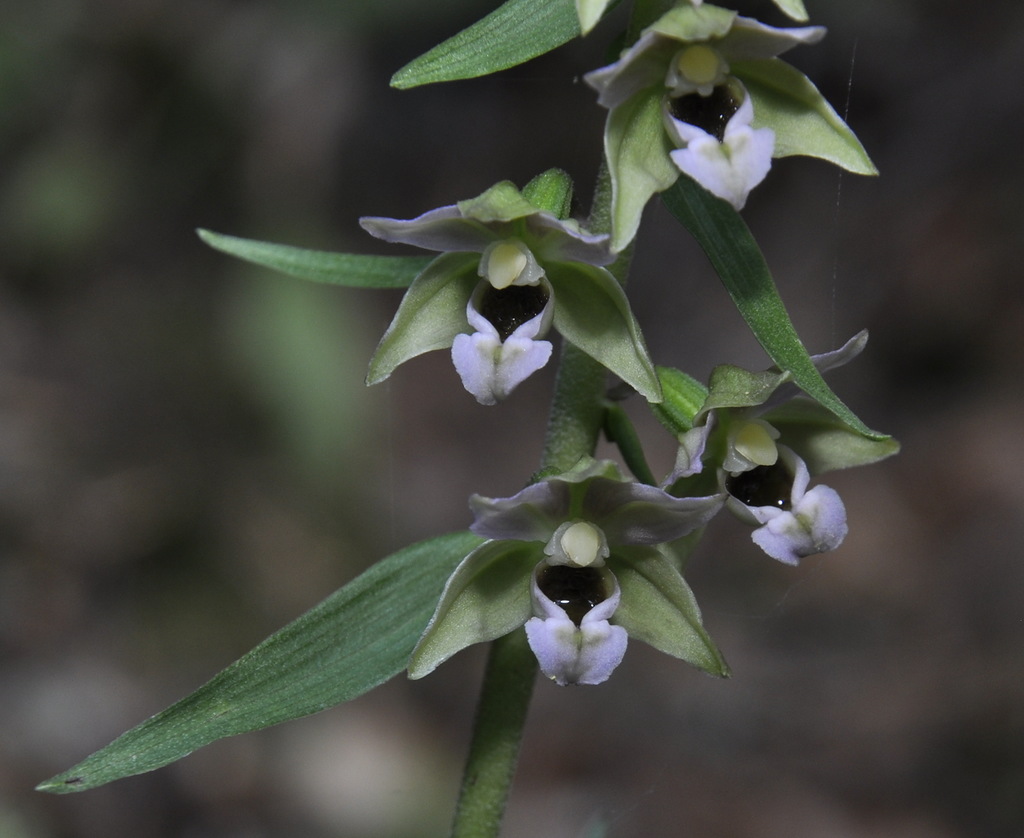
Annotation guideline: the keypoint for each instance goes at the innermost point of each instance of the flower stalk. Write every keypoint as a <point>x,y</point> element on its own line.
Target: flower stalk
<point>497,732</point>
<point>574,424</point>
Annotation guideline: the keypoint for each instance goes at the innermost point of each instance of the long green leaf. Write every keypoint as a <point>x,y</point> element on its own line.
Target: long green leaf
<point>354,640</point>
<point>512,34</point>
<point>350,269</point>
<point>731,247</point>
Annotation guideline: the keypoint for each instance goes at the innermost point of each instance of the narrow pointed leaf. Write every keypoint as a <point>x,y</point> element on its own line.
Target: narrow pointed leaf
<point>512,34</point>
<point>786,101</point>
<point>729,244</point>
<point>349,269</point>
<point>351,642</point>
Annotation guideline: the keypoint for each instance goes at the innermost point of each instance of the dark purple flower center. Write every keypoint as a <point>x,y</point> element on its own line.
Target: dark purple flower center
<point>762,486</point>
<point>709,113</point>
<point>508,308</point>
<point>576,589</point>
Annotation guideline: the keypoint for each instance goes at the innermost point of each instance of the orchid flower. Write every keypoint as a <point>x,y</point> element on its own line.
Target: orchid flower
<point>577,559</point>
<point>509,270</point>
<point>677,102</point>
<point>758,441</point>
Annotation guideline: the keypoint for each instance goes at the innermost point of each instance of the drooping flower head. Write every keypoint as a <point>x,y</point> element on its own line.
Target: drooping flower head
<point>509,270</point>
<point>702,92</point>
<point>759,442</point>
<point>579,560</point>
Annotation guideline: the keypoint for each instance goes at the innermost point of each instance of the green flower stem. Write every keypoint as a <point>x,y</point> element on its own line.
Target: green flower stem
<point>497,731</point>
<point>574,424</point>
<point>577,412</point>
<point>573,427</point>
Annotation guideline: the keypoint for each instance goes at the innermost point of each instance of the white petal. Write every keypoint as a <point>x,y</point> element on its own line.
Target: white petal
<point>816,524</point>
<point>490,370</point>
<point>571,654</point>
<point>732,168</point>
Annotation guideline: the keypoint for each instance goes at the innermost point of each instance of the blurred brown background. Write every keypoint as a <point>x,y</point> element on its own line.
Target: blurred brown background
<point>189,459</point>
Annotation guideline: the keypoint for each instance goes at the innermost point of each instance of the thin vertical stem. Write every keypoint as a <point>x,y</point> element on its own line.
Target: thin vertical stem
<point>497,731</point>
<point>574,424</point>
<point>576,410</point>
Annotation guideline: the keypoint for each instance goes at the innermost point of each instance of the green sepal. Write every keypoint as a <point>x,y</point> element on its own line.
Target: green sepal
<point>794,9</point>
<point>512,34</point>
<point>689,23</point>
<point>486,597</point>
<point>620,432</point>
<point>357,638</point>
<point>551,191</point>
<point>682,397</point>
<point>729,244</point>
<point>592,312</point>
<point>786,101</point>
<point>637,153</point>
<point>678,552</point>
<point>732,386</point>
<point>501,202</point>
<point>590,12</point>
<point>349,269</point>
<point>431,314</point>
<point>658,607</point>
<point>822,441</point>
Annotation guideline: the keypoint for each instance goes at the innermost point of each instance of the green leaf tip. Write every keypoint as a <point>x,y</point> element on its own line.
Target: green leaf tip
<point>357,638</point>
<point>346,269</point>
<point>794,9</point>
<point>512,34</point>
<point>732,249</point>
<point>590,13</point>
